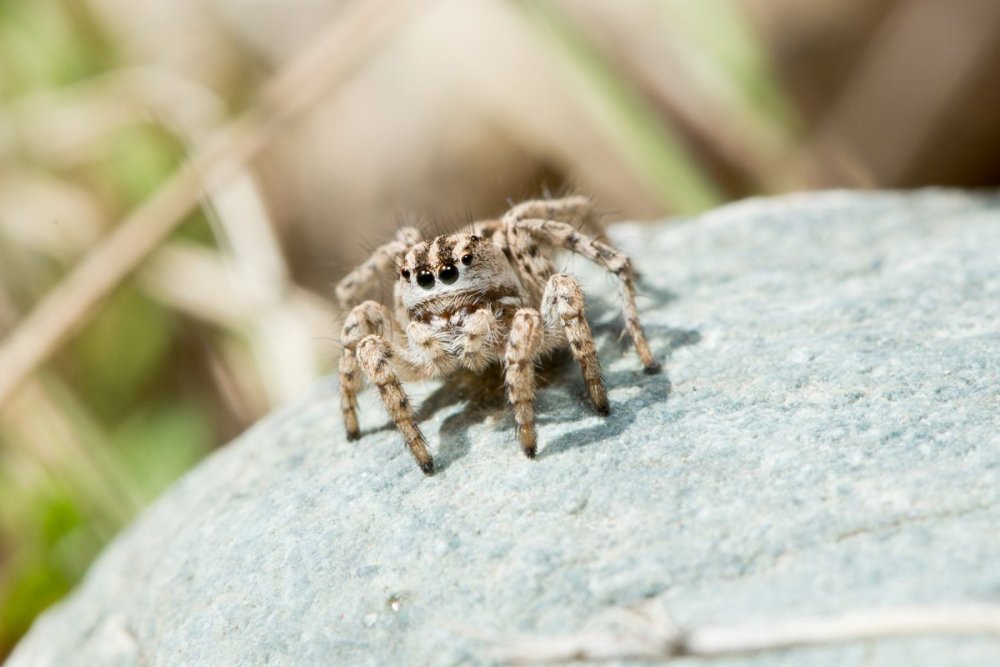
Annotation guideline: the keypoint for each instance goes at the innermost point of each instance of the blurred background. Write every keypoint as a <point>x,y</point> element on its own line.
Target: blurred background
<point>182,180</point>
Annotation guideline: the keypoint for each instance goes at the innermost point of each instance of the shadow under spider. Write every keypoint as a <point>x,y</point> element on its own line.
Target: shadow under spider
<point>662,295</point>
<point>485,396</point>
<point>654,389</point>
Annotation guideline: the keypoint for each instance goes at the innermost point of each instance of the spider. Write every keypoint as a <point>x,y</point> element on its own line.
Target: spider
<point>487,295</point>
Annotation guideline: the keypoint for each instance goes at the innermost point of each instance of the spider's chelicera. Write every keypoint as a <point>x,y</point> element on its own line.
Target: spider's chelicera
<point>486,295</point>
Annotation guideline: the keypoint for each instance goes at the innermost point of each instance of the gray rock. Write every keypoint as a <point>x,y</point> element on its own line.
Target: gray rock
<point>824,437</point>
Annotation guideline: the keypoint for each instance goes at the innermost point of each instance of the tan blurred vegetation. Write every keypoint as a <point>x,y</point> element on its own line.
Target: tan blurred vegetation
<point>181,180</point>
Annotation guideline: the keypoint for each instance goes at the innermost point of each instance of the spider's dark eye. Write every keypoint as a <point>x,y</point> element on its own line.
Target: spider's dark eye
<point>448,274</point>
<point>405,274</point>
<point>466,259</point>
<point>425,279</point>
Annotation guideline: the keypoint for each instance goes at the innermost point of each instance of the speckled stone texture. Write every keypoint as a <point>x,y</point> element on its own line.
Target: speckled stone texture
<point>825,436</point>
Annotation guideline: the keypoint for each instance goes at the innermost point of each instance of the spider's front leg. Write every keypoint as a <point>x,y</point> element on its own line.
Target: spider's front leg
<point>368,349</point>
<point>563,311</point>
<point>522,347</point>
<point>365,319</point>
<point>375,356</point>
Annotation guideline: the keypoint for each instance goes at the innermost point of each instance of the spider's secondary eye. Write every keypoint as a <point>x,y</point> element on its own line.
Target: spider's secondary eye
<point>425,279</point>
<point>405,274</point>
<point>466,259</point>
<point>448,274</point>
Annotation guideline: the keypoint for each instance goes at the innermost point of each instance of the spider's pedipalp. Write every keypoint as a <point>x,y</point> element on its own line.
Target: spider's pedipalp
<point>427,351</point>
<point>479,332</point>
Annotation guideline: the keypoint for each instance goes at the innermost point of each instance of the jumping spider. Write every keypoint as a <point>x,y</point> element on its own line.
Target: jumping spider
<point>486,295</point>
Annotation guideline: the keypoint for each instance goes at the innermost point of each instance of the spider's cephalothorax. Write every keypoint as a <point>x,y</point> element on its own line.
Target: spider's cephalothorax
<point>486,295</point>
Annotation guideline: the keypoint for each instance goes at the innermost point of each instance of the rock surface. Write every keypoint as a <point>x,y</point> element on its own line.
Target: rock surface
<point>825,436</point>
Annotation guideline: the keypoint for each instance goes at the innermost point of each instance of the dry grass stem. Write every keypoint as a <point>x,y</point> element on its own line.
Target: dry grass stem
<point>284,349</point>
<point>648,633</point>
<point>64,127</point>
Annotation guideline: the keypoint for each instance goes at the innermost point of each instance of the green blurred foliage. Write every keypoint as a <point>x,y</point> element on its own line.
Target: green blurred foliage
<point>56,542</point>
<point>135,160</point>
<point>159,442</point>
<point>48,44</point>
<point>121,354</point>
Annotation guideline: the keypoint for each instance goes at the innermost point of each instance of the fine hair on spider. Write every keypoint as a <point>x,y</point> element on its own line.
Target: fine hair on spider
<point>486,295</point>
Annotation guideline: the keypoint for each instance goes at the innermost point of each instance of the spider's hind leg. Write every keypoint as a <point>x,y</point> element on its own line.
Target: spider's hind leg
<point>612,260</point>
<point>563,310</point>
<point>576,210</point>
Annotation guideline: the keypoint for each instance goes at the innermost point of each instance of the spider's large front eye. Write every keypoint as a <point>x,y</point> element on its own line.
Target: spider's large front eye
<point>425,279</point>
<point>448,274</point>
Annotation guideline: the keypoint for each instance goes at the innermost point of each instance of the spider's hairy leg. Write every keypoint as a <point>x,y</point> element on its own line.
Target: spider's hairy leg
<point>522,348</point>
<point>375,356</point>
<point>365,319</point>
<point>563,308</point>
<point>382,260</point>
<point>522,252</point>
<point>402,315</point>
<point>610,259</point>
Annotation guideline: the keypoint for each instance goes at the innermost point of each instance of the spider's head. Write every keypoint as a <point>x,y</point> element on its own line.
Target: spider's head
<point>456,263</point>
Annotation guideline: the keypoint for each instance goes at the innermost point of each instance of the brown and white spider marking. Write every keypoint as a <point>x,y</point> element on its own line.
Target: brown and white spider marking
<point>486,295</point>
